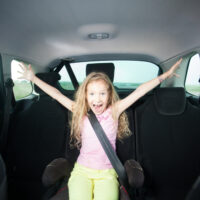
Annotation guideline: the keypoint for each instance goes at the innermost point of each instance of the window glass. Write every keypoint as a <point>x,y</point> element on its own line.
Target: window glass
<point>192,83</point>
<point>22,88</point>
<point>128,74</point>
<point>65,81</point>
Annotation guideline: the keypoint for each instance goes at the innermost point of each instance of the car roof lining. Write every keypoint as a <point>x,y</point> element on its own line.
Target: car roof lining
<point>43,31</point>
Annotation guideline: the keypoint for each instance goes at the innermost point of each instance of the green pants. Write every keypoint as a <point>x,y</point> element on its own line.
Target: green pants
<point>91,184</point>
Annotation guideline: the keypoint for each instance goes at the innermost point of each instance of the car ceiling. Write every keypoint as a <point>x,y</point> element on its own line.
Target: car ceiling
<point>42,31</point>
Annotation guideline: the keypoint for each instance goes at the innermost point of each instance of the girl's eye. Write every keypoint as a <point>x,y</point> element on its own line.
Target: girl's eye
<point>103,93</point>
<point>91,93</point>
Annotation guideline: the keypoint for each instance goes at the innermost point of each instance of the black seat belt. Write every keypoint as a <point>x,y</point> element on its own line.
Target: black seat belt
<point>71,75</point>
<point>116,163</point>
<point>70,72</point>
<point>6,116</point>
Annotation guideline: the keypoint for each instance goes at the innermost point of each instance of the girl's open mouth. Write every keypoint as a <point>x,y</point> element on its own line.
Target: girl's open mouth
<point>97,107</point>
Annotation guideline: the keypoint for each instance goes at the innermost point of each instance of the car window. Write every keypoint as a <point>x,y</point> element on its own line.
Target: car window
<point>22,88</point>
<point>128,74</point>
<point>192,83</point>
<point>65,81</point>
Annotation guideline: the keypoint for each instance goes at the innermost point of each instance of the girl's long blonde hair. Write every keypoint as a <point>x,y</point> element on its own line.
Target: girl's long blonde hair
<point>81,108</point>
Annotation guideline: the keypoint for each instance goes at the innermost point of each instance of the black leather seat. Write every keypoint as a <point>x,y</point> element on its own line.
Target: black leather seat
<point>37,136</point>
<point>167,139</point>
<point>3,180</point>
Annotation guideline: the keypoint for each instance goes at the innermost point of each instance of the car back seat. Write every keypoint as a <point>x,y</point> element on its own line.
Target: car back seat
<point>167,144</point>
<point>37,135</point>
<point>3,180</point>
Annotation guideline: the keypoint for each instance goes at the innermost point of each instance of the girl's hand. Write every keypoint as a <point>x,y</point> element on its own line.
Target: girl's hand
<point>171,71</point>
<point>27,72</point>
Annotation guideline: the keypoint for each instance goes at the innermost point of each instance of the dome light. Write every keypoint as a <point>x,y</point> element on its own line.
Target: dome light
<point>98,36</point>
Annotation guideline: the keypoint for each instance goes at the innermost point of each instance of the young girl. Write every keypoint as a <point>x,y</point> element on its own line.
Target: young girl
<point>93,176</point>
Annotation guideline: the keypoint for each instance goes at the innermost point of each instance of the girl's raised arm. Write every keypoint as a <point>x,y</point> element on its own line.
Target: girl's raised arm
<point>28,74</point>
<point>145,87</point>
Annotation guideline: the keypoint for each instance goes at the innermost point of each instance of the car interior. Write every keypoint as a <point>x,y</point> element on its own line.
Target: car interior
<point>132,42</point>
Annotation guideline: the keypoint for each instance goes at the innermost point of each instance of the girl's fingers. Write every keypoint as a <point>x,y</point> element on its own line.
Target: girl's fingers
<point>178,62</point>
<point>26,72</point>
<point>174,74</point>
<point>19,72</point>
<point>176,65</point>
<point>20,77</point>
<point>22,66</point>
<point>174,68</point>
<point>177,75</point>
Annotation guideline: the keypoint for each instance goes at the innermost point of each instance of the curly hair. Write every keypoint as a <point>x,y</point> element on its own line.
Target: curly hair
<point>80,108</point>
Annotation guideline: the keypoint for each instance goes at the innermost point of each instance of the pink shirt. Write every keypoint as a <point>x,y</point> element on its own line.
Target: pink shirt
<point>92,154</point>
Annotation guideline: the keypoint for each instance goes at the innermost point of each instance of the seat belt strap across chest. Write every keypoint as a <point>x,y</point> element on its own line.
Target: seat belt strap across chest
<point>116,163</point>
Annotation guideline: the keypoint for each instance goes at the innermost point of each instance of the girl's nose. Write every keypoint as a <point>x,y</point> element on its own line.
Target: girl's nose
<point>98,97</point>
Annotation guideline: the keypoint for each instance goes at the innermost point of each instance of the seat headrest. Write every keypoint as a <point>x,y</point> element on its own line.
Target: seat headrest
<point>170,101</point>
<point>49,77</point>
<point>107,68</point>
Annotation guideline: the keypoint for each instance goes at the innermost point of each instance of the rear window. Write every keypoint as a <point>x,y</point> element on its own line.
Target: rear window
<point>128,74</point>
